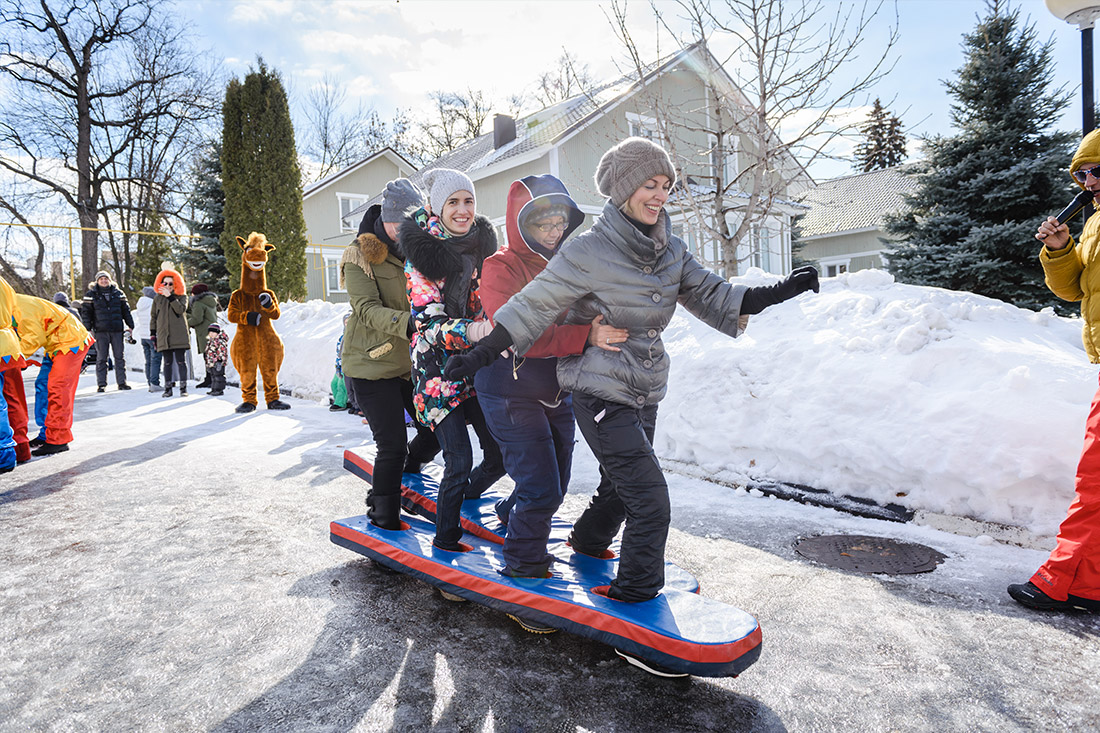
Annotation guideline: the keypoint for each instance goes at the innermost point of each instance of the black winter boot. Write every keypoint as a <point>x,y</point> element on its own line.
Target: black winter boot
<point>385,511</point>
<point>245,407</point>
<point>204,383</point>
<point>277,405</point>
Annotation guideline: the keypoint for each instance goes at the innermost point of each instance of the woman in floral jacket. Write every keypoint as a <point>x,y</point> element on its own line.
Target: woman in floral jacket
<point>444,253</point>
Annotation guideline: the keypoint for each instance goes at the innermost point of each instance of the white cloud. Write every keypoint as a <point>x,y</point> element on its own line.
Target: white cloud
<point>256,11</point>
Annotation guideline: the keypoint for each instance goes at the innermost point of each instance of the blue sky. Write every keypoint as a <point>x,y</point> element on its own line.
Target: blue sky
<point>392,54</point>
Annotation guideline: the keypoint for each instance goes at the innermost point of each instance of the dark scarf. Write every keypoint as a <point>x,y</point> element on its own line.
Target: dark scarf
<point>454,260</point>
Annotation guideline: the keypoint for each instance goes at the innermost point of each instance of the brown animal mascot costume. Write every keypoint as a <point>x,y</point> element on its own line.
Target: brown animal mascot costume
<point>256,345</point>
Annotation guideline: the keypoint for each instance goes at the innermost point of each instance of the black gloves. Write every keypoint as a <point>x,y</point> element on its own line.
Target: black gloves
<point>252,318</point>
<point>265,300</point>
<point>798,282</point>
<point>487,350</point>
<point>463,365</point>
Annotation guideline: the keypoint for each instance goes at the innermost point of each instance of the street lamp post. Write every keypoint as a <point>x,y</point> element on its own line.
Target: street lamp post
<point>1083,14</point>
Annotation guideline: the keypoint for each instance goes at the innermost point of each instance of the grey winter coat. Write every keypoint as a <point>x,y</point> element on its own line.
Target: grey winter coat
<point>633,281</point>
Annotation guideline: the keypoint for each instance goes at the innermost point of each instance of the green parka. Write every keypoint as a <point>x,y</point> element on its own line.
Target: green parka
<point>204,311</point>
<point>376,345</point>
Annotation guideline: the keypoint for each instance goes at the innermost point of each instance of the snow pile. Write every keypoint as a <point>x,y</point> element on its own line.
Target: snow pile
<point>933,399</point>
<point>937,400</point>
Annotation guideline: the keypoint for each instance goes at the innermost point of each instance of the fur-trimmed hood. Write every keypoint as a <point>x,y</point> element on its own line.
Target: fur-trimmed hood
<point>178,285</point>
<point>367,250</point>
<point>437,258</point>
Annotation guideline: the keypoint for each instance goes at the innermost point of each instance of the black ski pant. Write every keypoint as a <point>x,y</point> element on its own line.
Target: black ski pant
<point>175,367</point>
<point>107,342</point>
<point>384,402</point>
<point>634,490</point>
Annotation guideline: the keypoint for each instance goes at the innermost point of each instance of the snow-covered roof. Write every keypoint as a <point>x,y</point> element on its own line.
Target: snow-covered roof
<point>854,203</point>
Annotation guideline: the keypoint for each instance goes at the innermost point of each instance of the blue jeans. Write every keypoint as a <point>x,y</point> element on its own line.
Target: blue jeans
<point>537,444</point>
<point>458,461</point>
<point>152,361</point>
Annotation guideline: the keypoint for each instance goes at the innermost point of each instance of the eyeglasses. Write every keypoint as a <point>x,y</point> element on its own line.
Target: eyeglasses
<point>547,228</point>
<point>1081,174</point>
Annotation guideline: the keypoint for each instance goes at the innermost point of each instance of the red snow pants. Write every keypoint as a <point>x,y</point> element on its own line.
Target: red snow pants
<point>16,398</point>
<point>61,391</point>
<point>1074,566</point>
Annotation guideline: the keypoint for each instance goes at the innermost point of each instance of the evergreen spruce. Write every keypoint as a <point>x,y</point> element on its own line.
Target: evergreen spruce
<point>262,181</point>
<point>983,192</point>
<point>202,259</point>
<point>883,143</point>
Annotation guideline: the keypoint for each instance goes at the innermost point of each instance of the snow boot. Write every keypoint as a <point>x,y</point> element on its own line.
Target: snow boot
<point>651,667</point>
<point>277,405</point>
<point>204,383</point>
<point>101,389</point>
<point>532,626</point>
<point>124,386</point>
<point>245,407</point>
<point>48,449</point>
<point>384,511</point>
<point>183,390</point>
<point>37,441</point>
<point>1028,594</point>
<point>167,391</point>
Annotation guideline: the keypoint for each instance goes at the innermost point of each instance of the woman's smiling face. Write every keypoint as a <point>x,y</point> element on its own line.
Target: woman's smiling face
<point>458,212</point>
<point>645,204</point>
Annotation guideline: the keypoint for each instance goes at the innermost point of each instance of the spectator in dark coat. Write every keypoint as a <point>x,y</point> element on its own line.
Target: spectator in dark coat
<point>106,313</point>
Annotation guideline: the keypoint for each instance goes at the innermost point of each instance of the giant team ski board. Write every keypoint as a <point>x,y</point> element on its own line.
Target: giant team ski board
<point>479,518</point>
<point>679,630</point>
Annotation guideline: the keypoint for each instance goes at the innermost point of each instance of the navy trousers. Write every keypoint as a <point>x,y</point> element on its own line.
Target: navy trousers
<point>621,437</point>
<point>458,471</point>
<point>536,441</point>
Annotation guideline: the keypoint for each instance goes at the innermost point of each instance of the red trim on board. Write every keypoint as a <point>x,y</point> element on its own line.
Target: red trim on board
<point>422,501</point>
<point>593,618</point>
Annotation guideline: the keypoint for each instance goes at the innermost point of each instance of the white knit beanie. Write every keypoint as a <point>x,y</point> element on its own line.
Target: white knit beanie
<point>624,168</point>
<point>441,183</point>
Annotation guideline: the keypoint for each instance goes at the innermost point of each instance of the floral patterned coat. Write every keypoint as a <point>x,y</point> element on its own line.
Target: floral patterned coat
<point>438,334</point>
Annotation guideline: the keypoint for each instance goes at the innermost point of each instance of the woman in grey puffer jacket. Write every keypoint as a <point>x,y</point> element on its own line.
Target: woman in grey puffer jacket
<point>632,270</point>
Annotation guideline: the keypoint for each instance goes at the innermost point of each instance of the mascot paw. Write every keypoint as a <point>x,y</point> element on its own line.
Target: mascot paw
<point>245,407</point>
<point>265,300</point>
<point>252,318</point>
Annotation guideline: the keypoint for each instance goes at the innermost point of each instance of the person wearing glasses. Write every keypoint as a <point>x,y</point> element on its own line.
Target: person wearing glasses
<point>528,412</point>
<point>632,270</point>
<point>1070,578</point>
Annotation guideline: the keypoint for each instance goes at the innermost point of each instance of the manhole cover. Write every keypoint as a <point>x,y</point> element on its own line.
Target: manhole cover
<point>863,554</point>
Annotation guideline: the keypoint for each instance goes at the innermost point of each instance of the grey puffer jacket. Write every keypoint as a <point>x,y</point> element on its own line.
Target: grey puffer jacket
<point>634,282</point>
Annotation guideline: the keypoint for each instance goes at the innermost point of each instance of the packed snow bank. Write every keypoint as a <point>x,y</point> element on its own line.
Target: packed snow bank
<point>937,400</point>
<point>934,399</point>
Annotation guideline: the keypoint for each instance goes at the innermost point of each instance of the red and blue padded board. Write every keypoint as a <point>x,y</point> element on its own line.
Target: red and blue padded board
<point>681,631</point>
<point>479,518</point>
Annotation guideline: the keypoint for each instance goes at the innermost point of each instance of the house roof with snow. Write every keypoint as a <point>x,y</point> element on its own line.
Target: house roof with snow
<point>855,203</point>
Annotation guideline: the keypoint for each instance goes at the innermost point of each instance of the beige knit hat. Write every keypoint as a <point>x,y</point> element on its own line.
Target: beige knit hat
<point>624,168</point>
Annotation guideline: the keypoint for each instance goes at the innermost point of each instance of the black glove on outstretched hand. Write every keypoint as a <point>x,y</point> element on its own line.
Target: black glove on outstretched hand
<point>483,354</point>
<point>252,318</point>
<point>798,282</point>
<point>265,300</point>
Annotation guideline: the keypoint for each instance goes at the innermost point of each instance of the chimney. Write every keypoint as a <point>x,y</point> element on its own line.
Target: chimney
<point>504,130</point>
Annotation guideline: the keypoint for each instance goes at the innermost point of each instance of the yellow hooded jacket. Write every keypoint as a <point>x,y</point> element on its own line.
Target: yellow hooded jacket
<point>9,339</point>
<point>1073,272</point>
<point>45,325</point>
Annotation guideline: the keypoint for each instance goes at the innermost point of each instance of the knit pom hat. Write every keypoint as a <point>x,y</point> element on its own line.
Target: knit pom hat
<point>199,288</point>
<point>624,168</point>
<point>400,196</point>
<point>103,273</point>
<point>441,183</point>
<point>214,327</point>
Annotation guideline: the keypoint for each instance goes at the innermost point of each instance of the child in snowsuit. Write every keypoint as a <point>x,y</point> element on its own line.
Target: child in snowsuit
<point>215,356</point>
<point>13,401</point>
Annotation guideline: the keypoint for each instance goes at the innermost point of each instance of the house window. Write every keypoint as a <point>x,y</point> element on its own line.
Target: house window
<point>762,247</point>
<point>332,274</point>
<point>836,267</point>
<point>641,126</point>
<point>729,165</point>
<point>348,204</point>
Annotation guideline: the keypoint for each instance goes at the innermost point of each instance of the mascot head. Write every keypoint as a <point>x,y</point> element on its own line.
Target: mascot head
<point>253,261</point>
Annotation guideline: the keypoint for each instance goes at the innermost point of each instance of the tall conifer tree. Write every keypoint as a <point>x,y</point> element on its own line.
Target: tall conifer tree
<point>983,192</point>
<point>203,259</point>
<point>262,181</point>
<point>883,144</point>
